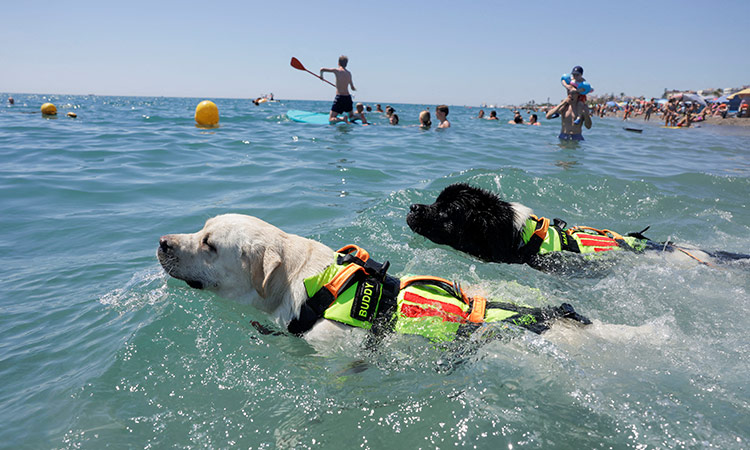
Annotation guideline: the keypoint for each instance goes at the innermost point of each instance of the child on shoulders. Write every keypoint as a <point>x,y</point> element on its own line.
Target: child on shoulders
<point>575,82</point>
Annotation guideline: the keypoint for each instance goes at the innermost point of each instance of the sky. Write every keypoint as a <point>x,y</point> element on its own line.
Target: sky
<point>452,52</point>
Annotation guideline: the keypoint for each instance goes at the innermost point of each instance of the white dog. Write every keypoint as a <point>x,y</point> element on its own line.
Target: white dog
<point>245,259</point>
<point>248,260</point>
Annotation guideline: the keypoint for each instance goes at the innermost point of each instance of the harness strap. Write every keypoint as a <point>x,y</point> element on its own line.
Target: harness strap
<point>478,308</point>
<point>693,256</point>
<point>536,240</point>
<point>358,259</point>
<point>342,279</point>
<point>312,310</point>
<point>536,320</point>
<point>358,267</point>
<point>542,227</point>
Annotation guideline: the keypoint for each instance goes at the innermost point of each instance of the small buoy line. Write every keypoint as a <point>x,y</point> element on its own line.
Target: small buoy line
<point>50,110</point>
<point>206,113</point>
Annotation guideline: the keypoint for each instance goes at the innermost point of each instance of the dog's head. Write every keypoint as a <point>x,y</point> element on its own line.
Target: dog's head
<point>236,256</point>
<point>472,220</point>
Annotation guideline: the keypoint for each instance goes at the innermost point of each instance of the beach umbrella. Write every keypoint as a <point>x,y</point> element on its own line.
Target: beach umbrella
<point>722,99</point>
<point>662,101</point>
<point>611,104</point>
<point>741,94</point>
<point>694,98</point>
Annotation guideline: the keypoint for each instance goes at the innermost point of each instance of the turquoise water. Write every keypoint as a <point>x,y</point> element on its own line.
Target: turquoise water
<point>99,349</point>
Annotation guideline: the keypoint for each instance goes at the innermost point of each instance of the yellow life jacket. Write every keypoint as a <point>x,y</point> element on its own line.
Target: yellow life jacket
<point>539,237</point>
<point>357,291</point>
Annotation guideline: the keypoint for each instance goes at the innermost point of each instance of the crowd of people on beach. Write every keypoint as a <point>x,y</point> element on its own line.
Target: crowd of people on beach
<point>677,111</point>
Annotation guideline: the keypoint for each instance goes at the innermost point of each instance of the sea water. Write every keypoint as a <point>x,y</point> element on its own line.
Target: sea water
<point>99,349</point>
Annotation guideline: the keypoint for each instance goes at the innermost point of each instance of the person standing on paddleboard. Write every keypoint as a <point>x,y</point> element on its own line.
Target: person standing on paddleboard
<point>342,103</point>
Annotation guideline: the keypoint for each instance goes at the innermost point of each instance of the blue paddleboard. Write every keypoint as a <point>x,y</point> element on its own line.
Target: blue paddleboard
<point>309,117</point>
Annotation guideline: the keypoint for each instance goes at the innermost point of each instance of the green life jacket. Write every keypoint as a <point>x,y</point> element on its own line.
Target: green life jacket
<point>539,237</point>
<point>356,291</point>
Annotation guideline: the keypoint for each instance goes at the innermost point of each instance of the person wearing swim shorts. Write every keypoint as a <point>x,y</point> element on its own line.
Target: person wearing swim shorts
<point>342,103</point>
<point>570,130</point>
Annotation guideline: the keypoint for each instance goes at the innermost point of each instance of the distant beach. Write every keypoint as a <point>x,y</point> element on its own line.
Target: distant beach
<point>729,121</point>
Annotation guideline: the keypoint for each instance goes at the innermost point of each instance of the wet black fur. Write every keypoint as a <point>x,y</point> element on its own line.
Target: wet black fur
<point>480,223</point>
<point>469,219</point>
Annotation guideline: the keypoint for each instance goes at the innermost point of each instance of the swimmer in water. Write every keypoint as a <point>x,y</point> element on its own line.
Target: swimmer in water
<point>360,114</point>
<point>424,119</point>
<point>441,112</point>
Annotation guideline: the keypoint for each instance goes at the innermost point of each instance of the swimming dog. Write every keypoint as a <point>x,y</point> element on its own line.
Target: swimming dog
<point>480,223</point>
<point>309,290</point>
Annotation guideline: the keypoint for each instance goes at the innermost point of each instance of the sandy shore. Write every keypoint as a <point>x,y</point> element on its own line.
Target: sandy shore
<point>729,121</point>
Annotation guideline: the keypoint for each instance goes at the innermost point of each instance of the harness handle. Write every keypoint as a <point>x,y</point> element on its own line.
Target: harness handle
<point>341,280</point>
<point>357,259</point>
<point>359,252</point>
<point>542,227</point>
<point>531,247</point>
<point>451,287</point>
<point>478,308</point>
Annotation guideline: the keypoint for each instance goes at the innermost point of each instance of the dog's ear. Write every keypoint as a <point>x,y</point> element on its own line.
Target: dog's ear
<point>264,261</point>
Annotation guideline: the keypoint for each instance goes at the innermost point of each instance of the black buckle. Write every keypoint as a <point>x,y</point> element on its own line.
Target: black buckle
<point>559,223</point>
<point>373,268</point>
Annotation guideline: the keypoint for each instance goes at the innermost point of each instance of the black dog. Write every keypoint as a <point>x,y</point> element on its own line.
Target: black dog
<point>479,223</point>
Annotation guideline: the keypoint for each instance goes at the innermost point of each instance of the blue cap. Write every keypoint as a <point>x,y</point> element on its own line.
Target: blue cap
<point>577,69</point>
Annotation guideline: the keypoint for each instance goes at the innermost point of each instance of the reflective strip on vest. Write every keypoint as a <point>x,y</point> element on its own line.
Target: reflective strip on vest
<point>430,312</point>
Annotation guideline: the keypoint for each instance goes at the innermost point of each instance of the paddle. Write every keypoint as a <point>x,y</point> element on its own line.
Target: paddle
<point>298,65</point>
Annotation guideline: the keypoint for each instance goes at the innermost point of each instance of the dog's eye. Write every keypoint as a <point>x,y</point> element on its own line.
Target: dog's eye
<point>207,244</point>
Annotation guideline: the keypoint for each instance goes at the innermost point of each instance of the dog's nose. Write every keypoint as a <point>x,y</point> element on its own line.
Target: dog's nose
<point>165,243</point>
<point>415,207</point>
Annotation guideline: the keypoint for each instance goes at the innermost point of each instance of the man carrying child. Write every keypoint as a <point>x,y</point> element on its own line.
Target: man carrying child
<point>570,131</point>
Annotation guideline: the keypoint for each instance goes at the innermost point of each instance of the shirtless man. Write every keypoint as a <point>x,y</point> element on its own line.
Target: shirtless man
<point>342,103</point>
<point>570,131</point>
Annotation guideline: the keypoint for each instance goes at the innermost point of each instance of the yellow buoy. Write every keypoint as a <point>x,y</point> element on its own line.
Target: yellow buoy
<point>48,109</point>
<point>207,114</point>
